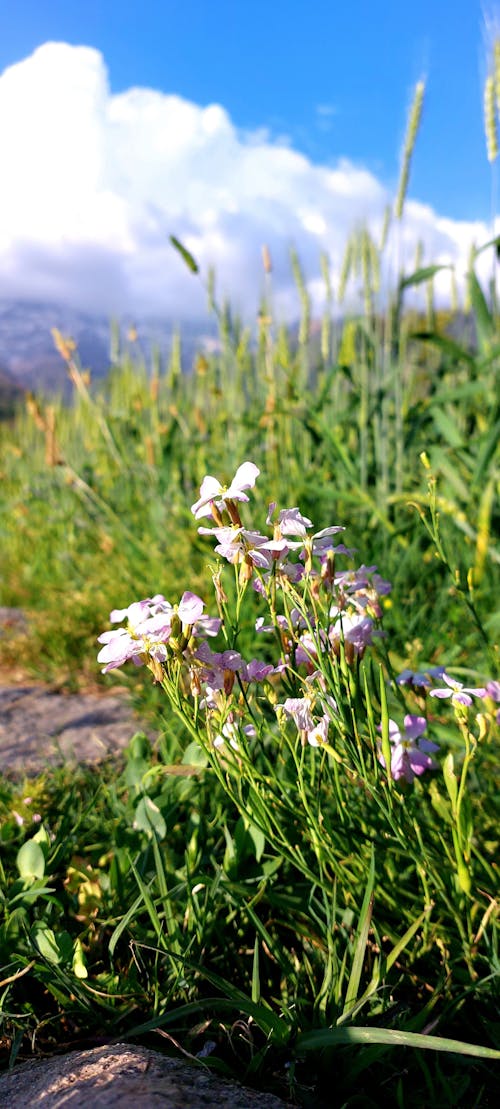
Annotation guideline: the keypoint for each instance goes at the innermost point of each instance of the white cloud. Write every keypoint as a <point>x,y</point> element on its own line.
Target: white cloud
<point>93,184</point>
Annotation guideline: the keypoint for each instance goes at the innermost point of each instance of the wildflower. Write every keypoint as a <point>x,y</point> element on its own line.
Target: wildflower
<point>492,693</point>
<point>229,733</point>
<point>235,543</point>
<point>319,735</point>
<point>354,628</point>
<point>419,679</point>
<point>292,522</point>
<point>190,608</point>
<point>459,693</point>
<point>212,492</point>
<point>300,709</point>
<point>256,670</point>
<point>409,757</point>
<point>148,630</point>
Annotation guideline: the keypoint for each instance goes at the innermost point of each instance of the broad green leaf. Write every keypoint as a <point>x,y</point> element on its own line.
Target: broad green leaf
<point>194,755</point>
<point>31,860</point>
<point>148,818</point>
<point>45,940</point>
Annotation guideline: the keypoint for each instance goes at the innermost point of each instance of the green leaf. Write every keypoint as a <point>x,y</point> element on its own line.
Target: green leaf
<point>185,255</point>
<point>148,818</point>
<point>439,804</point>
<point>446,427</point>
<point>135,772</point>
<point>424,274</point>
<point>330,1037</point>
<point>79,966</point>
<point>484,320</point>
<point>194,755</point>
<point>365,918</point>
<point>487,451</point>
<point>453,349</point>
<point>450,780</point>
<point>45,941</point>
<point>31,860</point>
<point>248,840</point>
<point>139,746</point>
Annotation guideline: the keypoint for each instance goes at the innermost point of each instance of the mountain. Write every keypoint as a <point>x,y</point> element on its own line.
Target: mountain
<point>11,393</point>
<point>30,361</point>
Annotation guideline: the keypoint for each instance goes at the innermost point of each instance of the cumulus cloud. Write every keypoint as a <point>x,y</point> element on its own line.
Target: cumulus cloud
<point>93,184</point>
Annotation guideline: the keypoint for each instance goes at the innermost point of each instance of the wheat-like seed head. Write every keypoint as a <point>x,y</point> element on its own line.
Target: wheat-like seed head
<point>490,119</point>
<point>409,146</point>
<point>345,270</point>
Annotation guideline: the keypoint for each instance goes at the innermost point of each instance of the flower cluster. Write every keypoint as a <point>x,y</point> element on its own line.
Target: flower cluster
<point>150,625</point>
<point>322,618</point>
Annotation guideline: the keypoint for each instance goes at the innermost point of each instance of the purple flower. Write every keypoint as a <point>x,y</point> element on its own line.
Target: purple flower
<point>492,691</point>
<point>292,522</point>
<point>211,490</point>
<point>148,629</point>
<point>235,543</point>
<point>409,756</point>
<point>353,627</point>
<point>299,708</point>
<point>190,608</point>
<point>419,679</point>
<point>256,670</point>
<point>459,693</point>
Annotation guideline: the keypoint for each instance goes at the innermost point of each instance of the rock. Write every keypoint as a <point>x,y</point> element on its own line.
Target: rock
<point>12,618</point>
<point>40,727</point>
<point>124,1076</point>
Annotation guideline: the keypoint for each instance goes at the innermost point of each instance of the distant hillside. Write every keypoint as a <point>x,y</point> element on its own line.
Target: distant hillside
<point>29,358</point>
<point>11,395</point>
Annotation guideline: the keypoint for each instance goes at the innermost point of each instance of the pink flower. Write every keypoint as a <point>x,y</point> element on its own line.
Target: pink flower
<point>211,490</point>
<point>292,522</point>
<point>354,628</point>
<point>459,693</point>
<point>409,757</point>
<point>190,608</point>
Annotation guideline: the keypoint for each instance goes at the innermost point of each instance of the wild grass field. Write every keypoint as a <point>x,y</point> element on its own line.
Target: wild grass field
<point>298,884</point>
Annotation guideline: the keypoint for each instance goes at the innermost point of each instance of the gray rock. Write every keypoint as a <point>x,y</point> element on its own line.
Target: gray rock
<point>40,727</point>
<point>124,1076</point>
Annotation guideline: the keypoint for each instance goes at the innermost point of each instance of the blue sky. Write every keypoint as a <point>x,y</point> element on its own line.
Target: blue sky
<point>277,63</point>
<point>98,174</point>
